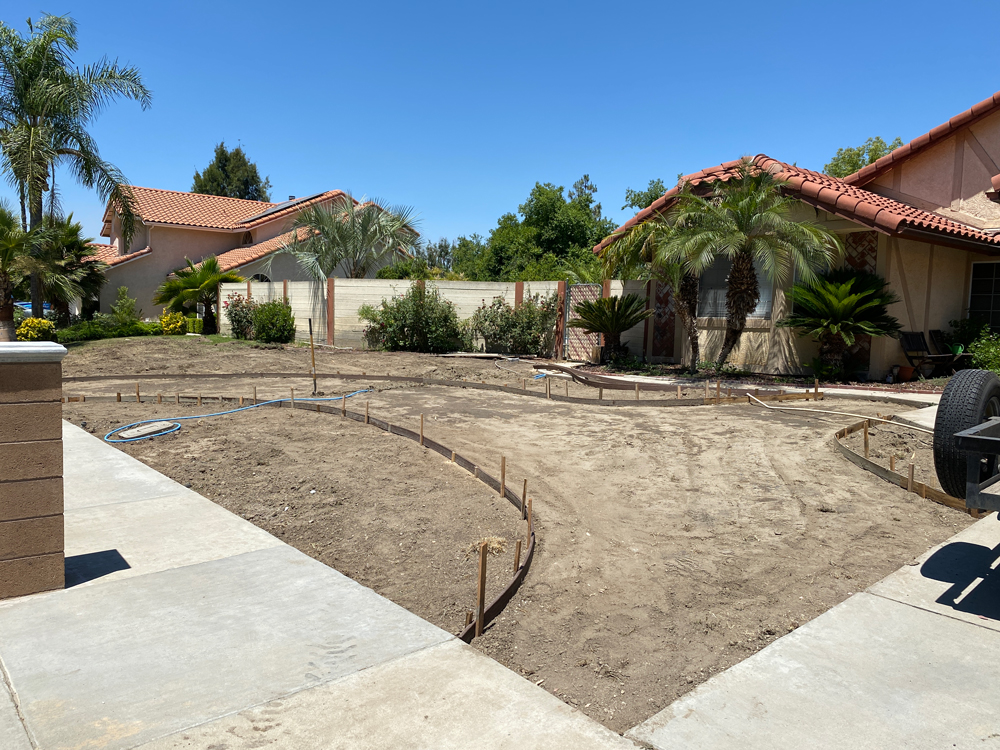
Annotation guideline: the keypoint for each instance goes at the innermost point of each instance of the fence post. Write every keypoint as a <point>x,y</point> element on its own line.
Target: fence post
<point>518,294</point>
<point>561,320</point>
<point>329,312</point>
<point>284,289</point>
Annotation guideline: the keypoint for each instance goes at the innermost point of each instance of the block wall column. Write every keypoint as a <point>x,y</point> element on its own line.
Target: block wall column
<point>31,468</point>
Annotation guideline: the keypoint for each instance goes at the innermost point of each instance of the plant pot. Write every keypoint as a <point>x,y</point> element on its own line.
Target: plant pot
<point>905,374</point>
<point>926,369</point>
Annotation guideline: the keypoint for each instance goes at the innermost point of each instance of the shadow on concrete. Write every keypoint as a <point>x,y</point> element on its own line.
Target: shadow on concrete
<point>962,564</point>
<point>93,565</point>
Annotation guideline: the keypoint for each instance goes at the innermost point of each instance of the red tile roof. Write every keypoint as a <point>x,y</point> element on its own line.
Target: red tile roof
<point>829,194</point>
<point>249,253</point>
<point>911,149</point>
<point>108,254</point>
<point>210,211</point>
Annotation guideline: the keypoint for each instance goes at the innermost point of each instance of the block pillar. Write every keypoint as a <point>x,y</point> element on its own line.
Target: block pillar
<point>31,468</point>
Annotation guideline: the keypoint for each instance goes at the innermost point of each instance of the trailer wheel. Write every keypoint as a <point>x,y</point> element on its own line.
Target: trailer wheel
<point>970,398</point>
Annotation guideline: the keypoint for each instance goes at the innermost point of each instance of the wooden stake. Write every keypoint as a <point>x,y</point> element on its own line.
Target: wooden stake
<point>866,438</point>
<point>729,392</point>
<point>524,384</point>
<point>199,399</point>
<point>118,397</point>
<point>453,456</point>
<point>481,591</point>
<point>503,475</point>
<point>892,462</point>
<point>517,555</point>
<point>815,389</point>
<point>600,394</point>
<point>531,523</point>
<point>255,395</point>
<point>177,398</point>
<point>475,472</point>
<point>241,401</point>
<point>312,348</point>
<point>566,383</point>
<point>923,490</point>
<point>468,618</point>
<point>548,387</point>
<point>524,500</point>
<point>137,399</point>
<point>909,483</point>
<point>159,398</point>
<point>343,405</point>
<point>421,429</point>
<point>636,391</point>
<point>706,389</point>
<point>293,397</point>
<point>756,392</point>
<point>718,390</point>
<point>318,410</point>
<point>83,399</point>
<point>366,412</point>
<point>678,391</point>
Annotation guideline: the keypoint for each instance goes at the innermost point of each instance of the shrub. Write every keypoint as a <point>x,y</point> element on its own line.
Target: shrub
<point>20,315</point>
<point>194,324</point>
<point>124,311</point>
<point>173,324</point>
<point>418,321</point>
<point>273,322</point>
<point>611,316</point>
<point>527,329</point>
<point>965,331</point>
<point>985,351</point>
<point>240,314</point>
<point>36,329</point>
<point>87,330</point>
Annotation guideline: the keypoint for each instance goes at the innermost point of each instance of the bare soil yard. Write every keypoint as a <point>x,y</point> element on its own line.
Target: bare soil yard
<point>673,543</point>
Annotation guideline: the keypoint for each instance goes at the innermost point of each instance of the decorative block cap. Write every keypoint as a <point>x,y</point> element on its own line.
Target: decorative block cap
<point>31,351</point>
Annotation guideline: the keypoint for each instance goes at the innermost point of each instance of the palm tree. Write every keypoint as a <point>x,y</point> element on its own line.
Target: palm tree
<point>840,306</point>
<point>15,266</point>
<point>611,316</point>
<point>645,252</point>
<point>356,237</point>
<point>64,266</point>
<point>196,285</point>
<point>46,106</point>
<point>745,219</point>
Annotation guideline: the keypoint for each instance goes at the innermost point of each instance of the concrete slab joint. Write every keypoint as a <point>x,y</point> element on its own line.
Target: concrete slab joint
<point>31,468</point>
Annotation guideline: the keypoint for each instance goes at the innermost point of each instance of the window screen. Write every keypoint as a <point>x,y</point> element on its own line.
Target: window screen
<point>984,300</point>
<point>712,292</point>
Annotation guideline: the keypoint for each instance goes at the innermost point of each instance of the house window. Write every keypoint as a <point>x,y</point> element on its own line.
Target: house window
<point>247,238</point>
<point>260,277</point>
<point>984,296</point>
<point>712,291</point>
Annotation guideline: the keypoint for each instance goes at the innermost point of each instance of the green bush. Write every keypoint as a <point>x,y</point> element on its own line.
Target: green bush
<point>527,329</point>
<point>194,324</point>
<point>173,324</point>
<point>20,315</point>
<point>36,329</point>
<point>87,330</point>
<point>985,351</point>
<point>273,322</point>
<point>418,321</point>
<point>240,314</point>
<point>124,311</point>
<point>965,331</point>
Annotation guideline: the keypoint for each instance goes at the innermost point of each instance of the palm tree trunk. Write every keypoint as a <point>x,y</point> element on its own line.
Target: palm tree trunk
<point>7,331</point>
<point>24,212</point>
<point>208,326</point>
<point>831,351</point>
<point>742,296</point>
<point>35,216</point>
<point>686,297</point>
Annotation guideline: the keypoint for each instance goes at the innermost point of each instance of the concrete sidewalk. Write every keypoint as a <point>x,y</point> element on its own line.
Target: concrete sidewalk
<point>185,626</point>
<point>911,663</point>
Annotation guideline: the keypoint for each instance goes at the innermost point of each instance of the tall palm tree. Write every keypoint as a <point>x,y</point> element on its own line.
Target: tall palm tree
<point>196,285</point>
<point>358,237</point>
<point>46,106</point>
<point>745,219</point>
<point>645,252</point>
<point>14,267</point>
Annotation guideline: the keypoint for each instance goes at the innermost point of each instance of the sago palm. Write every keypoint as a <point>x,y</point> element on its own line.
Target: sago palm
<point>357,238</point>
<point>746,219</point>
<point>840,306</point>
<point>196,285</point>
<point>47,104</point>
<point>611,316</point>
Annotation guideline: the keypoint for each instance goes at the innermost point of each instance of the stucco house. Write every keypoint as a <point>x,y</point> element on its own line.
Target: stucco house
<point>926,217</point>
<point>174,226</point>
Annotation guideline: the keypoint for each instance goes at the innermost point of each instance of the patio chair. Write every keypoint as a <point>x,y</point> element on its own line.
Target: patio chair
<point>918,353</point>
<point>962,360</point>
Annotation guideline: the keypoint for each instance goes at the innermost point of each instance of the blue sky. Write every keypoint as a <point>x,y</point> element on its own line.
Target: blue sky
<point>457,109</point>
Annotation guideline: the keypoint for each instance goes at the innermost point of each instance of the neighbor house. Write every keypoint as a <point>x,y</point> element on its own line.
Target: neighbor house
<point>926,217</point>
<point>175,226</point>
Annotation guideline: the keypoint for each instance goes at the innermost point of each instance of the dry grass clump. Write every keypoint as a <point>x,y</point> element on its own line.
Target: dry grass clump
<point>495,545</point>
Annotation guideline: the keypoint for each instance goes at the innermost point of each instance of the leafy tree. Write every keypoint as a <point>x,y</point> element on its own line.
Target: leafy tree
<point>745,220</point>
<point>47,104</point>
<point>232,175</point>
<point>437,254</point>
<point>838,307</point>
<point>358,238</point>
<point>15,253</point>
<point>611,316</point>
<point>196,285</point>
<point>640,199</point>
<point>847,161</point>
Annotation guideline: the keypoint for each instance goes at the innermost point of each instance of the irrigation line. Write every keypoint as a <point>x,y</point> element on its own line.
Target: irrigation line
<point>841,413</point>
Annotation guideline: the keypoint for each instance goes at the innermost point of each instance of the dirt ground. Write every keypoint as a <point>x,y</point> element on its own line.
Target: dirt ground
<point>673,543</point>
<point>909,446</point>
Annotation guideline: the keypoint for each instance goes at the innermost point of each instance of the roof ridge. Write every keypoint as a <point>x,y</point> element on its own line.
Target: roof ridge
<point>203,195</point>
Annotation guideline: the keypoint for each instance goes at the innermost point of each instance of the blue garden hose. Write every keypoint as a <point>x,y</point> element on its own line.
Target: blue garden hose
<point>176,424</point>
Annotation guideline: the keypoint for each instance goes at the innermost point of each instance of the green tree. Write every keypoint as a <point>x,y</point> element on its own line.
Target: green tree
<point>196,285</point>
<point>15,255</point>
<point>47,104</point>
<point>611,316</point>
<point>838,307</point>
<point>847,161</point>
<point>65,267</point>
<point>232,175</point>
<point>640,199</point>
<point>745,219</point>
<point>356,238</point>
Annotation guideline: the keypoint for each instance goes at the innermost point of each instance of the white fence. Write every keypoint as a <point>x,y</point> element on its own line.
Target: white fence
<point>340,300</point>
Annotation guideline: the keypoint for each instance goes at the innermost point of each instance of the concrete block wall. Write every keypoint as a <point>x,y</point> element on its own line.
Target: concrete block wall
<point>31,462</point>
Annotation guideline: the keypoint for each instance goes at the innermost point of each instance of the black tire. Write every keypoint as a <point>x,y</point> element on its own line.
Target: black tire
<point>970,398</point>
